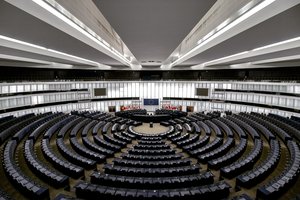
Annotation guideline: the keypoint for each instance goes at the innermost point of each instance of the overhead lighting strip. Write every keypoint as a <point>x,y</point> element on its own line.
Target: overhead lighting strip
<point>57,10</point>
<point>266,49</point>
<point>8,39</point>
<point>226,57</point>
<point>244,12</point>
<point>277,44</point>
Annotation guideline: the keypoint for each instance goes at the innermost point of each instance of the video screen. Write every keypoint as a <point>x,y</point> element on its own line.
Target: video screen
<point>151,102</point>
<point>201,91</point>
<point>99,91</point>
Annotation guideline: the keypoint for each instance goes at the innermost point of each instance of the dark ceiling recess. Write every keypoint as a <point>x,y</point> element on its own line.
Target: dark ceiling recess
<point>10,74</point>
<point>151,75</point>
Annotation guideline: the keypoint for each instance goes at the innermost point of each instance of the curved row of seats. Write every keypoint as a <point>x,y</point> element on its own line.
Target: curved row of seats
<point>152,182</point>
<point>213,191</point>
<point>281,183</point>
<point>23,182</point>
<point>150,166</point>
<point>12,125</point>
<point>156,166</point>
<point>260,172</point>
<point>59,162</point>
<point>263,120</point>
<point>295,124</point>
<point>53,177</point>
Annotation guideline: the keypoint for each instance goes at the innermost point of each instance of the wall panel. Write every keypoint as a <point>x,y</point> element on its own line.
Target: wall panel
<point>153,89</point>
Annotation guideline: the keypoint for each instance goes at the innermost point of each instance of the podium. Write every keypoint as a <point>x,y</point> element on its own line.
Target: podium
<point>151,124</point>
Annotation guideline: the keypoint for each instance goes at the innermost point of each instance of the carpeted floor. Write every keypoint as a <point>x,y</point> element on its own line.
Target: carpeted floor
<point>145,128</point>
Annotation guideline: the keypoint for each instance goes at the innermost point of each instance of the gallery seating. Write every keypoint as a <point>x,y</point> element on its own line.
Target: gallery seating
<point>87,128</point>
<point>49,175</point>
<point>152,157</point>
<point>180,137</point>
<point>113,140</point>
<point>237,129</point>
<point>197,144</point>
<point>261,171</point>
<point>222,150</point>
<point>24,183</point>
<point>13,125</point>
<point>96,155</point>
<point>55,126</point>
<point>267,134</point>
<point>213,191</point>
<point>4,195</point>
<point>289,126</point>
<point>151,152</point>
<point>216,129</point>
<point>124,138</point>
<point>231,156</point>
<point>82,150</point>
<point>68,126</point>
<point>242,197</point>
<point>223,126</point>
<point>245,163</point>
<point>250,130</point>
<point>152,164</point>
<point>217,142</point>
<point>152,182</point>
<point>281,183</point>
<point>73,156</point>
<point>106,127</point>
<point>151,172</point>
<point>188,128</point>
<point>105,144</point>
<point>192,139</point>
<point>279,131</point>
<point>151,146</point>
<point>196,127</point>
<point>97,127</point>
<point>204,127</point>
<point>96,148</point>
<point>61,164</point>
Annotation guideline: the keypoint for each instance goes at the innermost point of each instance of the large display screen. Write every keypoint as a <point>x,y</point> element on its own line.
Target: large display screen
<point>99,91</point>
<point>201,91</point>
<point>151,102</point>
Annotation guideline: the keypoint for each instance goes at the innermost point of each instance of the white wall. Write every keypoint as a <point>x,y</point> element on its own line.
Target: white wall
<point>153,89</point>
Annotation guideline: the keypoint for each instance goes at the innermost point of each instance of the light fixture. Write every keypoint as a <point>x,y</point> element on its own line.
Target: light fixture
<point>290,42</point>
<point>226,57</point>
<point>277,44</point>
<point>213,34</point>
<point>2,37</point>
<point>71,20</point>
<point>27,44</point>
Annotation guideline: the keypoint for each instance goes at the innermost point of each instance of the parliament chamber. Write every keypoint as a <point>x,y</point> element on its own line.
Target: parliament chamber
<point>140,99</point>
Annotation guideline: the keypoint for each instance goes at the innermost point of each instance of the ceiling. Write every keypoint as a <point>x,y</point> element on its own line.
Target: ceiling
<point>152,30</point>
<point>279,28</point>
<point>20,25</point>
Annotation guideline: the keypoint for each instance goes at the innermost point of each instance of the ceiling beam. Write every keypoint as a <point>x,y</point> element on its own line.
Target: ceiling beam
<point>275,60</point>
<point>257,14</point>
<point>42,10</point>
<point>268,49</point>
<point>36,49</point>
